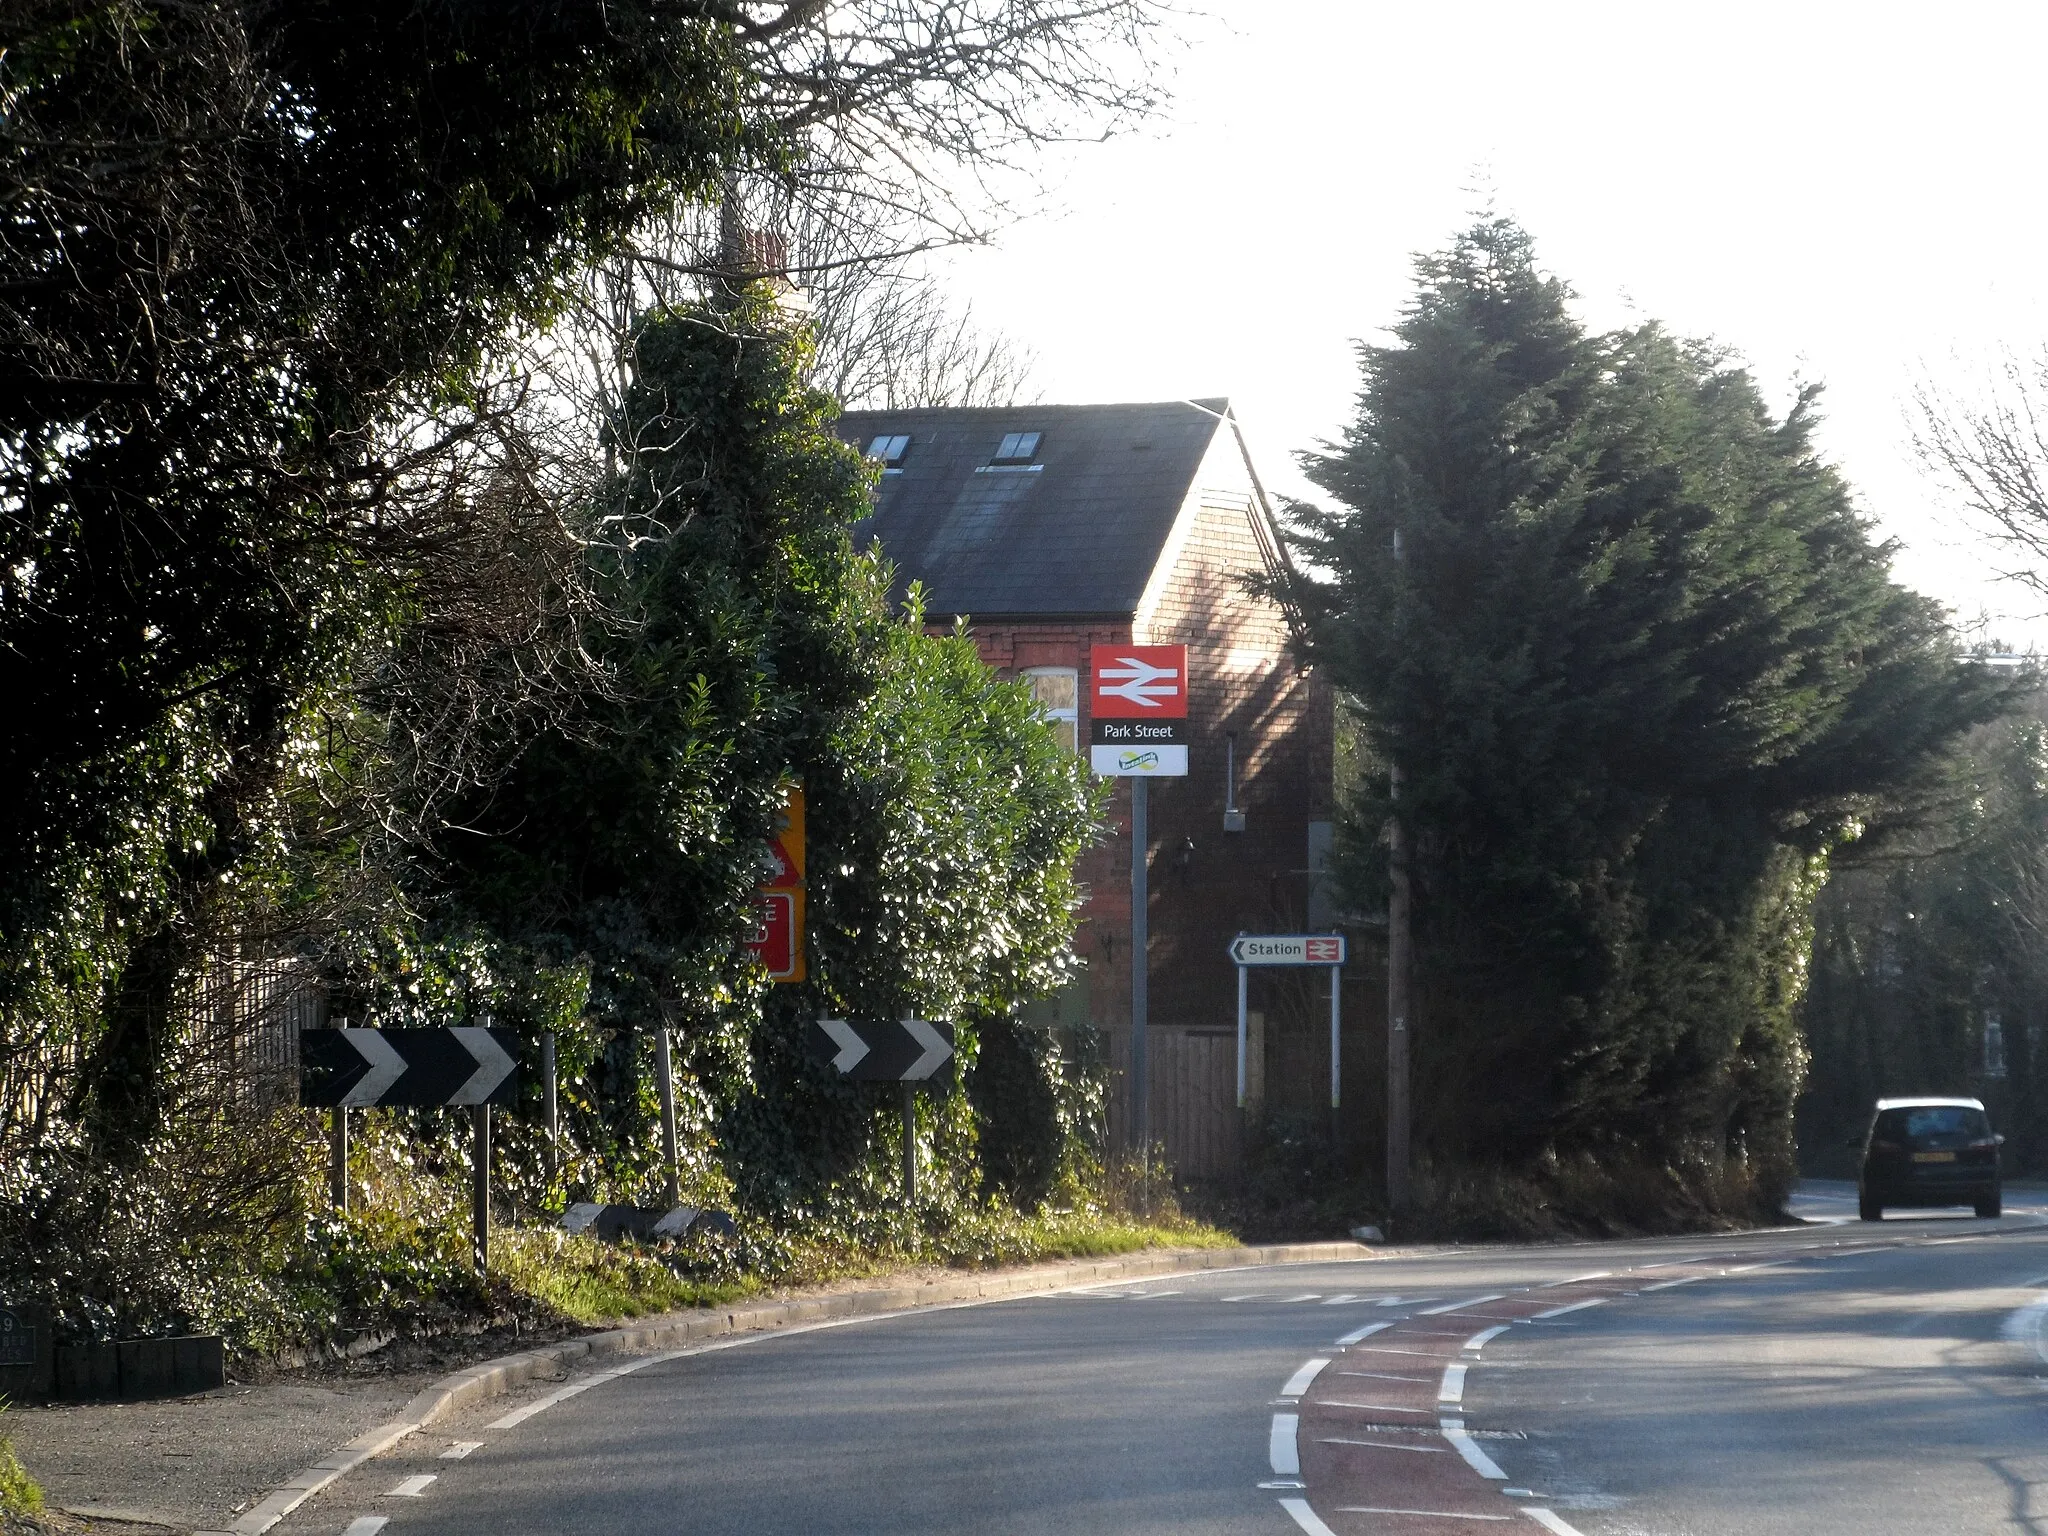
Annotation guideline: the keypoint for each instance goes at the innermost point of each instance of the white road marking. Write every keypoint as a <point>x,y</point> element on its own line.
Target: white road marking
<point>1481,1340</point>
<point>1382,1375</point>
<point>1280,1450</point>
<point>1152,1295</point>
<point>1598,1274</point>
<point>1388,1349</point>
<point>1306,1517</point>
<point>1298,1383</point>
<point>1383,1445</point>
<point>2026,1326</point>
<point>1551,1522</point>
<point>411,1487</point>
<point>1459,1306</point>
<point>1747,1269</point>
<point>1342,1298</point>
<point>1288,1301</point>
<point>460,1449</point>
<point>1665,1285</point>
<point>1433,1514</point>
<point>1376,1407</point>
<point>1577,1306</point>
<point>1475,1458</point>
<point>366,1525</point>
<point>1453,1389</point>
<point>1362,1333</point>
<point>1248,1296</point>
<point>1403,1301</point>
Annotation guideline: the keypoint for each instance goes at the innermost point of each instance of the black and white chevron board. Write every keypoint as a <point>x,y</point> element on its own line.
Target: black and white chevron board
<point>885,1051</point>
<point>365,1068</point>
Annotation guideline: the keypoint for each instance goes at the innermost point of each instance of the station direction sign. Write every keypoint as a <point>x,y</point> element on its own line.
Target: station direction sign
<point>1288,949</point>
<point>778,936</point>
<point>1138,711</point>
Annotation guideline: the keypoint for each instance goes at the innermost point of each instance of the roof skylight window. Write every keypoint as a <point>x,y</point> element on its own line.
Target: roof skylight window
<point>890,448</point>
<point>1017,448</point>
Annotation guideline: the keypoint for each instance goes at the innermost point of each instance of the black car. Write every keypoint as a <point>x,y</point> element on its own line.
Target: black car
<point>1929,1152</point>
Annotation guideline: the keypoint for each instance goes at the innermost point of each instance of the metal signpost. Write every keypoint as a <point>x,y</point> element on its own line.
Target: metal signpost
<point>908,1050</point>
<point>1250,949</point>
<point>471,1067</point>
<point>1137,730</point>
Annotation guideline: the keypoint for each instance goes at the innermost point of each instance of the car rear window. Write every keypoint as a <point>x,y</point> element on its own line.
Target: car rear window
<point>1938,1125</point>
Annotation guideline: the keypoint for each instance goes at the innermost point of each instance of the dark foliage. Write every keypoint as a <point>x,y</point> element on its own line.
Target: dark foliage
<point>1643,668</point>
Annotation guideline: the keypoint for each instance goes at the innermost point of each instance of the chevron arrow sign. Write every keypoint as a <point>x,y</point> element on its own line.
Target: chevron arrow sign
<point>899,1051</point>
<point>359,1068</point>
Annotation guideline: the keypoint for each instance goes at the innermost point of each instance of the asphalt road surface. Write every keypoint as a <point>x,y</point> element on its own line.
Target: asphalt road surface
<point>1842,1377</point>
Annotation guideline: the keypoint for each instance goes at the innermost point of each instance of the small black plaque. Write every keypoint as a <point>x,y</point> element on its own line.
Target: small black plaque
<point>17,1337</point>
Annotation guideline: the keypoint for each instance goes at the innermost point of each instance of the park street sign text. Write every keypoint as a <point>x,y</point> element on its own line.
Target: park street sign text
<point>1288,949</point>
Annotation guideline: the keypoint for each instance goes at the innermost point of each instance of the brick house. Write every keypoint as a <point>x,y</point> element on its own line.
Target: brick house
<point>1054,528</point>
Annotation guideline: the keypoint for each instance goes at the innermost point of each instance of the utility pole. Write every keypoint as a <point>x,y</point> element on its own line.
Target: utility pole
<point>1400,965</point>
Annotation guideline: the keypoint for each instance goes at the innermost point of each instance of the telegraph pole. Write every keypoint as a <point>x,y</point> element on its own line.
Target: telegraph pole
<point>1400,966</point>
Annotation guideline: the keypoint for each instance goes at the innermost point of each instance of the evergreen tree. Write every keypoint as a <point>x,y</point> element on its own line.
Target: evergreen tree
<point>1642,667</point>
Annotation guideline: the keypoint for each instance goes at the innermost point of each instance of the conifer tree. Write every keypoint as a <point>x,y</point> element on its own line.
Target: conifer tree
<point>1642,665</point>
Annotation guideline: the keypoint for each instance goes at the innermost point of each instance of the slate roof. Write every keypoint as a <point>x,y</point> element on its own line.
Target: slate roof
<point>1078,535</point>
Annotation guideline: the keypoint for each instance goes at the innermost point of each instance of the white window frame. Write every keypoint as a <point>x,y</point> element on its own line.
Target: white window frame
<point>1071,714</point>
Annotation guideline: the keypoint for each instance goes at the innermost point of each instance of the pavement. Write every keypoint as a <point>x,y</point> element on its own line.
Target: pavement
<point>1836,1377</point>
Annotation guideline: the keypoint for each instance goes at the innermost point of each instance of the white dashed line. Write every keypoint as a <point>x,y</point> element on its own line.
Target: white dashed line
<point>1459,1306</point>
<point>1362,1333</point>
<point>1342,1298</point>
<point>1298,1383</point>
<point>1577,1306</point>
<point>1384,1445</point>
<point>1432,1514</point>
<point>1382,1375</point>
<point>1665,1285</point>
<point>1288,1301</point>
<point>1598,1274</point>
<point>1306,1517</point>
<point>1331,1402</point>
<point>1280,1448</point>
<point>1453,1389</point>
<point>412,1487</point>
<point>1481,1340</point>
<point>1551,1522</point>
<point>1475,1458</point>
<point>460,1449</point>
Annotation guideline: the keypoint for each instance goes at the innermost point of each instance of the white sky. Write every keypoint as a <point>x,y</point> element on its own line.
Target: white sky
<point>1840,192</point>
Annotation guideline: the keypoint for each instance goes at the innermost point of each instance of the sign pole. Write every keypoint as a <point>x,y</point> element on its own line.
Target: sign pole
<point>671,1187</point>
<point>1336,1048</point>
<point>1141,1097</point>
<point>910,1146</point>
<point>1242,1086</point>
<point>480,1194</point>
<point>337,1171</point>
<point>550,1106</point>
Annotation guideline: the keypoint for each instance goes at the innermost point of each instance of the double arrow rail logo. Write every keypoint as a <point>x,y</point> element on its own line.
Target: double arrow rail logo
<point>903,1051</point>
<point>1137,680</point>
<point>363,1068</point>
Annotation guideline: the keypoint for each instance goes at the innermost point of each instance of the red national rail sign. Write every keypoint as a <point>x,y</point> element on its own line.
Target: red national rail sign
<point>1138,682</point>
<point>778,937</point>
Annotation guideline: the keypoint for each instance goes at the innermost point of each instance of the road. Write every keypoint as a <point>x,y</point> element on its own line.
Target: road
<point>1837,1378</point>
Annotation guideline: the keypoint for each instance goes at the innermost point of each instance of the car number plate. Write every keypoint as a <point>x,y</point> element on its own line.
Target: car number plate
<point>1934,1157</point>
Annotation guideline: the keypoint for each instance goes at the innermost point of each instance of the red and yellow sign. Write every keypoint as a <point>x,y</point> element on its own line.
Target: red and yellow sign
<point>779,915</point>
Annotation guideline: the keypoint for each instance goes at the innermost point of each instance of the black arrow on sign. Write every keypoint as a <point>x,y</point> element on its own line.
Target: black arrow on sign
<point>898,1051</point>
<point>360,1068</point>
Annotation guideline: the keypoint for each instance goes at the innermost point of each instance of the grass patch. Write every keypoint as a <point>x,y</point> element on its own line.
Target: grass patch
<point>595,1282</point>
<point>20,1494</point>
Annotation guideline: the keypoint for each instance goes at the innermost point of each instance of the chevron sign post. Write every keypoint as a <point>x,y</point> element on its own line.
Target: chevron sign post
<point>908,1051</point>
<point>470,1068</point>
